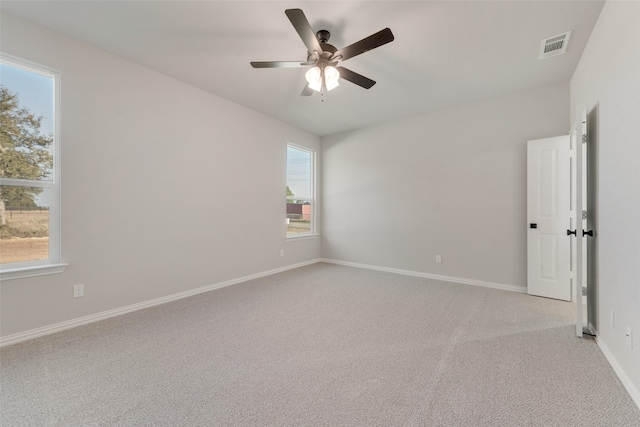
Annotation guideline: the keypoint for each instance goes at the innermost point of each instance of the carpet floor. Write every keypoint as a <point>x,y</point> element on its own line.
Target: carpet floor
<point>322,345</point>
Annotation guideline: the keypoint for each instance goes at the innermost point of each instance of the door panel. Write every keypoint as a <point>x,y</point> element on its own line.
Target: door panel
<point>549,176</point>
<point>548,257</point>
<point>548,194</point>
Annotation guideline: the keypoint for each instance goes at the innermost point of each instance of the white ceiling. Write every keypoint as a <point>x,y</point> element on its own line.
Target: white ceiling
<point>445,52</point>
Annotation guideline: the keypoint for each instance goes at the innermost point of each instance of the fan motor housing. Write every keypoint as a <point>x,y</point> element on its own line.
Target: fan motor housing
<point>326,54</point>
<point>323,36</point>
<point>327,49</point>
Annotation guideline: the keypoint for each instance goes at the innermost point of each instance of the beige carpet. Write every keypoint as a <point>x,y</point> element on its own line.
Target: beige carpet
<point>322,345</point>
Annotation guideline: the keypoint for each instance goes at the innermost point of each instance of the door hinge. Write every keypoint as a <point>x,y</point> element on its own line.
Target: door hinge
<point>584,214</point>
<point>584,138</point>
<point>584,291</point>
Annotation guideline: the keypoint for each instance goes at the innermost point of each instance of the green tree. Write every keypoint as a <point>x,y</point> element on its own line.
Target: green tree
<point>289,193</point>
<point>24,150</point>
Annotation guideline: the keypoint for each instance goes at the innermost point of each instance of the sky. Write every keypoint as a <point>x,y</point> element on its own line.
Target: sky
<point>298,172</point>
<point>34,91</point>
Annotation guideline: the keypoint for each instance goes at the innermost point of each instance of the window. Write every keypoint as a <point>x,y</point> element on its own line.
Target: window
<point>300,191</point>
<point>29,171</point>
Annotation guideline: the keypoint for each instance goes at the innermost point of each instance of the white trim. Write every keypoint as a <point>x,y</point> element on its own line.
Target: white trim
<point>302,236</point>
<point>461,280</point>
<point>37,270</point>
<point>622,376</point>
<point>80,321</point>
<point>30,66</point>
<point>25,183</point>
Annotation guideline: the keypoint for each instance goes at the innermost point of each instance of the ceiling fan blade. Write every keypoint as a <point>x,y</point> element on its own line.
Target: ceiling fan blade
<point>356,78</point>
<point>302,26</point>
<point>373,41</point>
<point>280,64</point>
<point>307,91</point>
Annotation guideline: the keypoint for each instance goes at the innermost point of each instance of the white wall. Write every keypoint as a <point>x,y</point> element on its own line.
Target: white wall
<point>452,182</point>
<point>165,188</point>
<point>607,82</point>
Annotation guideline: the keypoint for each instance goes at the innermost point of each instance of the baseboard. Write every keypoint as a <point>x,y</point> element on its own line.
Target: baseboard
<point>461,280</point>
<point>73,323</point>
<point>622,375</point>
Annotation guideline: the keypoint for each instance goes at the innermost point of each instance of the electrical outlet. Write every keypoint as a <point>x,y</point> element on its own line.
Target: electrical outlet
<point>629,338</point>
<point>281,252</point>
<point>612,319</point>
<point>438,259</point>
<point>78,291</point>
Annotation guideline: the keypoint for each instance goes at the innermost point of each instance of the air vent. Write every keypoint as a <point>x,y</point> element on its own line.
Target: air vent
<point>553,46</point>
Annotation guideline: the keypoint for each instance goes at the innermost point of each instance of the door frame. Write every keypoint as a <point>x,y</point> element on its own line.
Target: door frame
<point>577,258</point>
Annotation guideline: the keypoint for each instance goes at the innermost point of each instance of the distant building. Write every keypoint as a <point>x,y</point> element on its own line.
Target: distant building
<point>298,211</point>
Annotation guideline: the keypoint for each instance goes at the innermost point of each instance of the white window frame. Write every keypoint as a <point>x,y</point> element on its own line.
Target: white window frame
<point>52,264</point>
<point>312,198</point>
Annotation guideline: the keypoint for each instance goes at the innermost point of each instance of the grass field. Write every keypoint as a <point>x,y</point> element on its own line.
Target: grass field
<point>25,236</point>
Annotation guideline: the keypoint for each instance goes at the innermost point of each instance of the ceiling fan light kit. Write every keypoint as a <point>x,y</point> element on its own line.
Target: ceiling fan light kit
<point>323,58</point>
<point>318,77</point>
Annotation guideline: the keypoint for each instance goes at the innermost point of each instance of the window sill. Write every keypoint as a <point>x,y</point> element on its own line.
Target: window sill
<point>37,270</point>
<point>301,237</point>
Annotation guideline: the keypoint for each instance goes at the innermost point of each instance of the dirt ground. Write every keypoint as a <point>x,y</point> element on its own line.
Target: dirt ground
<point>294,227</point>
<point>19,249</point>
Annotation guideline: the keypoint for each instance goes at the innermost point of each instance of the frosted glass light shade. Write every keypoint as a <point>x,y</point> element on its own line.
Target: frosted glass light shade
<point>331,76</point>
<point>314,78</point>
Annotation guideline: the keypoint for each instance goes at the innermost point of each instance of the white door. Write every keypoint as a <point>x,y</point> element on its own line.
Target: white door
<point>548,207</point>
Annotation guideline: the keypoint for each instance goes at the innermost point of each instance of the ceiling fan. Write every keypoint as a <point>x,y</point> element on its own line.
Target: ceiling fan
<point>323,58</point>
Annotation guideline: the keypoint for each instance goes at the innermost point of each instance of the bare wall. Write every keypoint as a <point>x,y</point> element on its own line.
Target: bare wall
<point>607,83</point>
<point>452,182</point>
<point>165,188</point>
